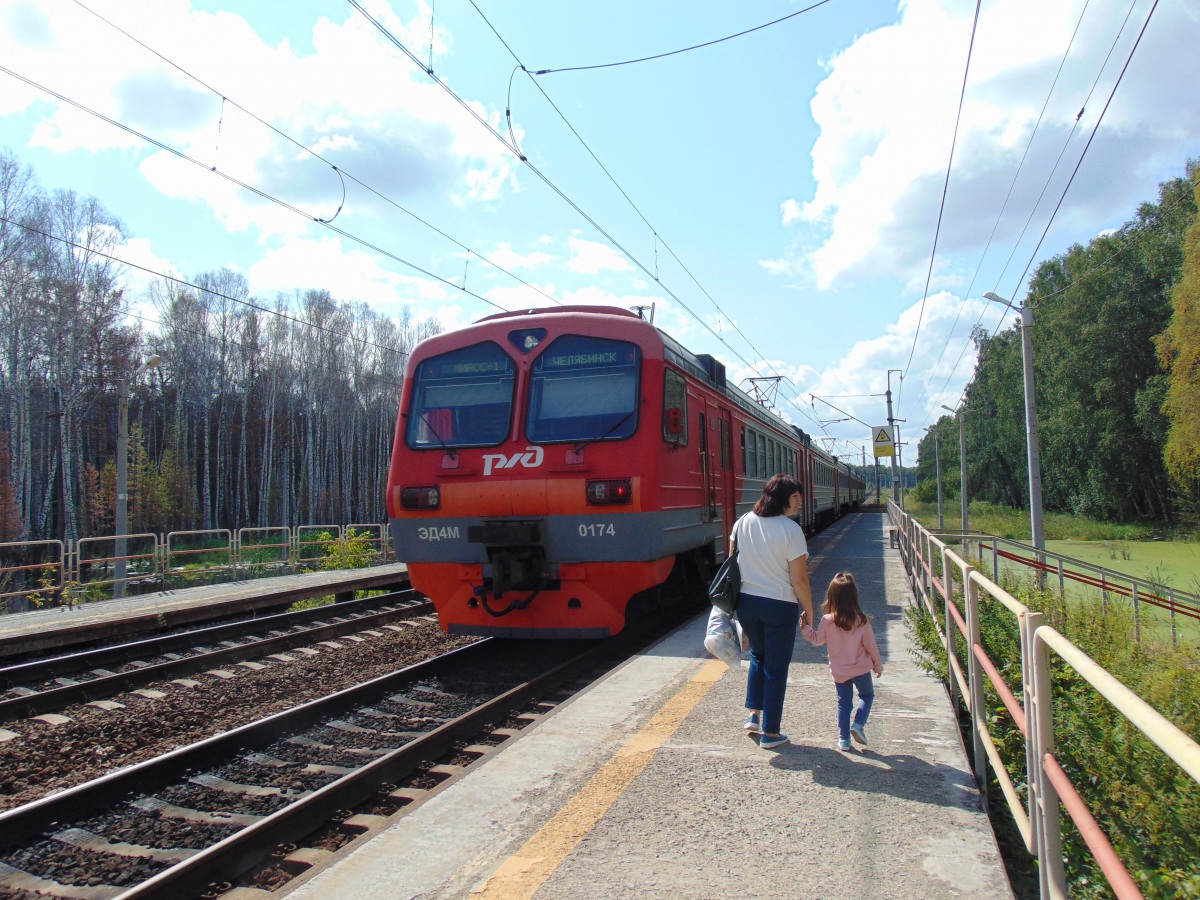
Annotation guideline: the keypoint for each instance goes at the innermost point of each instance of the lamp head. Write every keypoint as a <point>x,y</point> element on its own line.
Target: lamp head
<point>996,298</point>
<point>147,365</point>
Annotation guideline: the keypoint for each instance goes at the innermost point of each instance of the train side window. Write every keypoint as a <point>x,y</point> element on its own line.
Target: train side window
<point>584,389</point>
<point>762,457</point>
<point>462,398</point>
<point>675,418</point>
<point>745,458</point>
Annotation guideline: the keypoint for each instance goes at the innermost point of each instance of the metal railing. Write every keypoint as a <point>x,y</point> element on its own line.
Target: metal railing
<point>1067,569</point>
<point>42,573</point>
<point>35,569</point>
<point>933,569</point>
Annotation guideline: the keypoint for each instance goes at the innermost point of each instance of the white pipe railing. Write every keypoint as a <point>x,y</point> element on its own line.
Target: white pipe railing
<point>1047,782</point>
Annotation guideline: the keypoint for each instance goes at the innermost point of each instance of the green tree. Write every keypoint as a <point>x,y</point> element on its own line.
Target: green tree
<point>1179,351</point>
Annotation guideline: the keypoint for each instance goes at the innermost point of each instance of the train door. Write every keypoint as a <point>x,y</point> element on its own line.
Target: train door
<point>725,495</point>
<point>708,488</point>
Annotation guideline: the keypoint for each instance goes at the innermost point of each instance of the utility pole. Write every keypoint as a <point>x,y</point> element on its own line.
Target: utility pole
<point>895,436</point>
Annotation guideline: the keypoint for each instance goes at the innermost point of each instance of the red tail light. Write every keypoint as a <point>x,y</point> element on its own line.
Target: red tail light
<point>420,498</point>
<point>610,493</point>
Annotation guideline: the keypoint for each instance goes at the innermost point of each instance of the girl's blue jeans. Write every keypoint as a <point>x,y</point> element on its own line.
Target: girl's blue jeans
<point>845,692</point>
<point>771,627</point>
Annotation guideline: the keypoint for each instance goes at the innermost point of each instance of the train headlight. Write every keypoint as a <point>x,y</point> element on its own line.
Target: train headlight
<point>420,498</point>
<point>614,492</point>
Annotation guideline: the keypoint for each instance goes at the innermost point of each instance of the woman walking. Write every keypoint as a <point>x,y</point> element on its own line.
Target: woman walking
<point>773,559</point>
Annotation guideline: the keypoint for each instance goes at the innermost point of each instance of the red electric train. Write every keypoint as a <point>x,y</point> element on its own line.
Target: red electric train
<point>551,464</point>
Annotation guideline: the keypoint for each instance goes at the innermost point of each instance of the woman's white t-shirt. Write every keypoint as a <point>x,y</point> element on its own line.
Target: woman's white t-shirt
<point>765,547</point>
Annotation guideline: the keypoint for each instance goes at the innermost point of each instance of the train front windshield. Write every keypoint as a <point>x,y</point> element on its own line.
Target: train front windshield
<point>462,399</point>
<point>584,389</point>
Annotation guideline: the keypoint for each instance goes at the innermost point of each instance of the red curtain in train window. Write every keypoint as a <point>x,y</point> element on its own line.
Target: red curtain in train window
<point>436,425</point>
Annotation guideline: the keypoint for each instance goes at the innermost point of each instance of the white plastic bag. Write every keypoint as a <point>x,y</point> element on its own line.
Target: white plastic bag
<point>723,639</point>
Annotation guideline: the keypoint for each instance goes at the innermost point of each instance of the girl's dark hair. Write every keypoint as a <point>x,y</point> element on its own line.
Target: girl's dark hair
<point>841,602</point>
<point>776,495</point>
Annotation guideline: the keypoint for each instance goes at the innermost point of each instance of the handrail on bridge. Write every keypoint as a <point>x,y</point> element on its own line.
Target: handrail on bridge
<point>1033,714</point>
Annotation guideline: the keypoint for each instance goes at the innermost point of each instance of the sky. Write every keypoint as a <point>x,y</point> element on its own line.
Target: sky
<point>774,196</point>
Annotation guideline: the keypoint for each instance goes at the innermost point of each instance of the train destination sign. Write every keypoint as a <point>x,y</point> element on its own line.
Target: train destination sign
<point>883,440</point>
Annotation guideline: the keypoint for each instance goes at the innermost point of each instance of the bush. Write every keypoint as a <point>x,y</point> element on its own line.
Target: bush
<point>1148,807</point>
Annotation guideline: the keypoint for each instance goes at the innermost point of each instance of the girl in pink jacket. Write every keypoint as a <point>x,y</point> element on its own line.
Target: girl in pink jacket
<point>853,655</point>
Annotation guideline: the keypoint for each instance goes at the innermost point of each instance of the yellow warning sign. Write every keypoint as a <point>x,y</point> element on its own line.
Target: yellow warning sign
<point>882,441</point>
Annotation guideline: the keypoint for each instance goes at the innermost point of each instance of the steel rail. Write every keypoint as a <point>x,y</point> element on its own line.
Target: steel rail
<point>240,852</point>
<point>85,660</point>
<point>106,685</point>
<point>19,825</point>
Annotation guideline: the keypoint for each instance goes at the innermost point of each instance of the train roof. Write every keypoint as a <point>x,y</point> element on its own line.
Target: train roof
<point>700,365</point>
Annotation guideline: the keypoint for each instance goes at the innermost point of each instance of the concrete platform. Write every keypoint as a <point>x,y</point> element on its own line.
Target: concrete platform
<point>58,628</point>
<point>646,785</point>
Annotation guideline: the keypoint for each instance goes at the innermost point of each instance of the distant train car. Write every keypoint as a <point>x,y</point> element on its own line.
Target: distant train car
<point>549,465</point>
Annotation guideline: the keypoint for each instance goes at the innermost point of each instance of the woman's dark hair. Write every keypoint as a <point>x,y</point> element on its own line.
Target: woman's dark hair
<point>776,495</point>
<point>841,602</point>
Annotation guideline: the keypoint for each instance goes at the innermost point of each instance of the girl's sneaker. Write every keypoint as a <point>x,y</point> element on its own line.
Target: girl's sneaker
<point>768,742</point>
<point>843,743</point>
<point>857,732</point>
<point>752,724</point>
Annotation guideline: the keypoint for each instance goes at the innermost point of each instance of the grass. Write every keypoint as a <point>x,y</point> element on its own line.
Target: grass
<point>1007,522</point>
<point>1135,550</point>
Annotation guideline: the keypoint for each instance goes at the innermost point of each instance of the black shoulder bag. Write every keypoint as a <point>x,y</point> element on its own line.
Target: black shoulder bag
<point>726,586</point>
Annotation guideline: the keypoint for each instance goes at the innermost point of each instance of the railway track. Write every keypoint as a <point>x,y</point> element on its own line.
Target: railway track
<point>261,803</point>
<point>46,685</point>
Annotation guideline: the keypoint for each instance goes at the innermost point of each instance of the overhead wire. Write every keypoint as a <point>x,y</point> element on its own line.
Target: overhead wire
<point>545,179</point>
<point>1062,152</point>
<point>249,187</point>
<point>945,190</point>
<point>1079,162</point>
<point>603,168</point>
<point>341,172</point>
<point>1008,196</point>
<point>1086,146</point>
<point>296,320</point>
<point>730,37</point>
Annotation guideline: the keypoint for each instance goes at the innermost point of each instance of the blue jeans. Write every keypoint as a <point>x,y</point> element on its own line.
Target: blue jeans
<point>845,692</point>
<point>771,627</point>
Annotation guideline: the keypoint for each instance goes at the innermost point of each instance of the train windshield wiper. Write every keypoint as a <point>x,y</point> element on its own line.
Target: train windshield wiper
<point>578,447</point>
<point>449,451</point>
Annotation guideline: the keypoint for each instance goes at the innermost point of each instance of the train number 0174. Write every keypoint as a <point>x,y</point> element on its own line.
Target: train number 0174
<point>599,529</point>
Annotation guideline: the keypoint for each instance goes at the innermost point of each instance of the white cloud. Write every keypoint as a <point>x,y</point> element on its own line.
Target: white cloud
<point>503,255</point>
<point>354,96</point>
<point>850,383</point>
<point>886,113</point>
<point>324,264</point>
<point>591,258</point>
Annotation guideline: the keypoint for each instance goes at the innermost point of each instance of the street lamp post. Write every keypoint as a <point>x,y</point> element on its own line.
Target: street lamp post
<point>937,458</point>
<point>1031,438</point>
<point>123,469</point>
<point>961,415</point>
